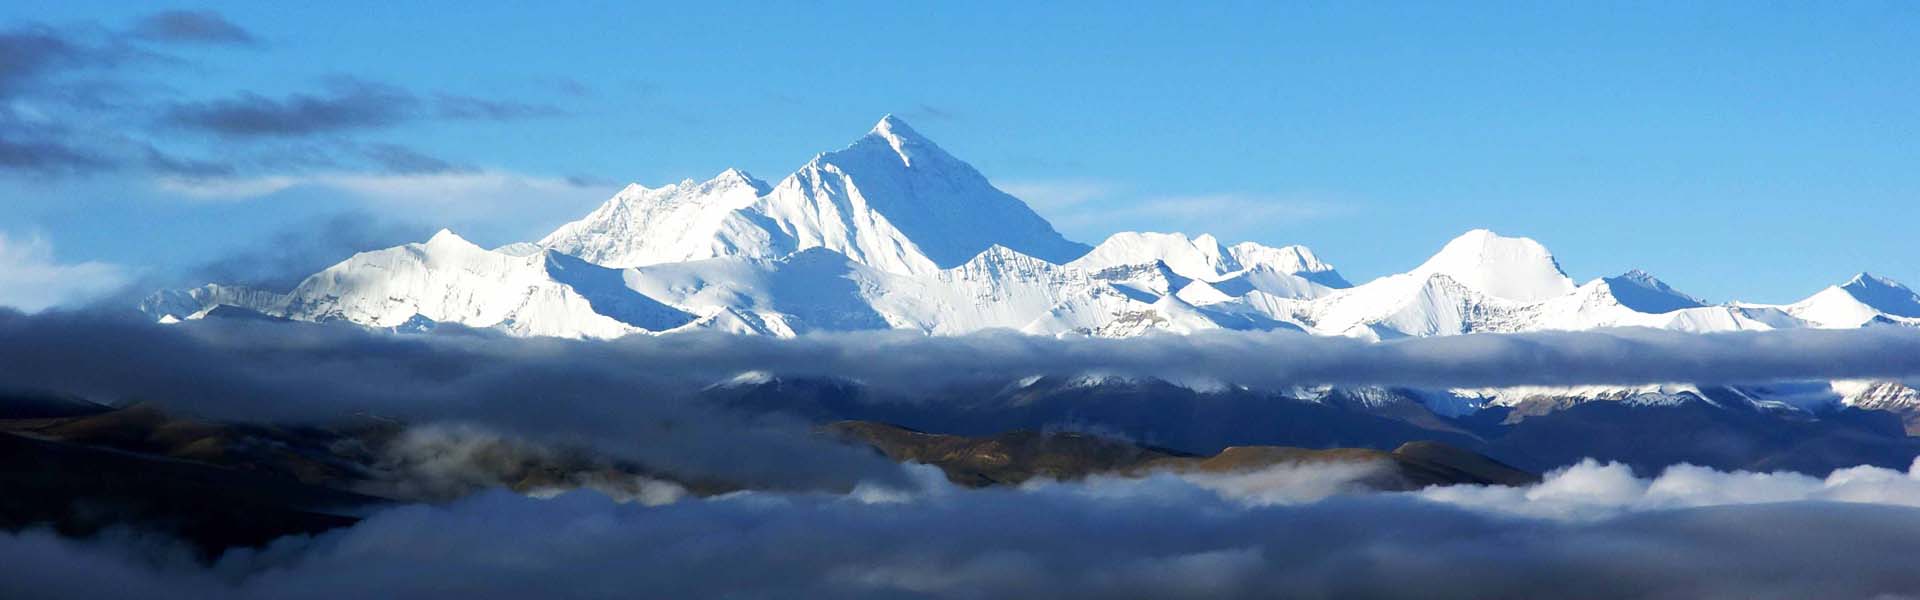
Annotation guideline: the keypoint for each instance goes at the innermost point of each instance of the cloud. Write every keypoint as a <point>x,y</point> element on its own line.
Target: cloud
<point>914,364</point>
<point>31,279</point>
<point>1094,207</point>
<point>1159,537</point>
<point>191,27</point>
<point>641,397</point>
<point>346,104</point>
<point>30,54</point>
<point>453,106</point>
<point>479,203</point>
<point>407,161</point>
<point>48,156</point>
<point>546,394</point>
<point>1591,490</point>
<point>1233,215</point>
<point>928,112</point>
<point>1058,195</point>
<point>280,260</point>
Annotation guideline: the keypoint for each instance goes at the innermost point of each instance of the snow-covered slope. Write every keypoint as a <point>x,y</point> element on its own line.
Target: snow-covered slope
<point>449,280</point>
<point>1861,300</point>
<point>892,200</point>
<point>674,223</point>
<point>894,232</point>
<point>1510,268</point>
<point>1204,258</point>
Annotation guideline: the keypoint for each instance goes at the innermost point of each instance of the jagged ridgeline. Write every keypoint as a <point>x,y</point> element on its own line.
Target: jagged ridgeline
<point>894,232</point>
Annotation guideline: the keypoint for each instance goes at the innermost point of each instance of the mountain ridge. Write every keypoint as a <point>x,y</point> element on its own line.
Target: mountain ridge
<point>892,231</point>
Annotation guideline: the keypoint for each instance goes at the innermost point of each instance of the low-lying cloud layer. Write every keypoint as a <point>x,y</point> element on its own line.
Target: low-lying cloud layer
<point>1689,533</point>
<point>854,525</point>
<point>257,360</point>
<point>638,397</point>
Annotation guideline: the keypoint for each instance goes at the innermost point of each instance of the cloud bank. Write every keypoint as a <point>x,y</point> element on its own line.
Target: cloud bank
<point>339,367</point>
<point>32,279</point>
<point>1744,536</point>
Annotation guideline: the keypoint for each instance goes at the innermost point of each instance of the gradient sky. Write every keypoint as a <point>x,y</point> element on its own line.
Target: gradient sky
<point>1738,151</point>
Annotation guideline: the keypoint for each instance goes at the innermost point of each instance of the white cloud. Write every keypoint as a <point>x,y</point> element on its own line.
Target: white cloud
<point>1048,196</point>
<point>503,203</point>
<point>1592,490</point>
<point>32,280</point>
<point>431,189</point>
<point>1092,209</point>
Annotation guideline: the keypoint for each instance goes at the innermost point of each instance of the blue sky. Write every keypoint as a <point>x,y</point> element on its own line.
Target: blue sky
<point>1738,151</point>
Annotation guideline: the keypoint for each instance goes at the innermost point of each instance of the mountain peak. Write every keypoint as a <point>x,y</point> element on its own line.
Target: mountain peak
<point>891,125</point>
<point>1882,294</point>
<point>1864,280</point>
<point>906,143</point>
<point>446,237</point>
<point>736,177</point>
<point>1514,268</point>
<point>1642,292</point>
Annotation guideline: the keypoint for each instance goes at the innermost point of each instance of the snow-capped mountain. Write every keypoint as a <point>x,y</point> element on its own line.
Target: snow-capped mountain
<point>1860,301</point>
<point>450,280</point>
<point>892,200</point>
<point>894,232</point>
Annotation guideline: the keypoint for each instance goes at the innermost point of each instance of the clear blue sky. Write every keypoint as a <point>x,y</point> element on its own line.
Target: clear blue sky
<point>1738,150</point>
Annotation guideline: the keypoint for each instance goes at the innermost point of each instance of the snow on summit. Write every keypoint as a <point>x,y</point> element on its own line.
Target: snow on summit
<point>1512,268</point>
<point>892,231</point>
<point>892,200</point>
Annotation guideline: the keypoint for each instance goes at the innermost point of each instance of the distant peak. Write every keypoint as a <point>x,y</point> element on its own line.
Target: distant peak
<point>1882,294</point>
<point>1641,291</point>
<point>733,176</point>
<point>906,143</point>
<point>1869,280</point>
<point>892,126</point>
<point>447,238</point>
<point>1515,268</point>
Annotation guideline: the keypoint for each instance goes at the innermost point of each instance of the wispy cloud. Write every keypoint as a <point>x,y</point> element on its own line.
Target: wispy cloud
<point>191,27</point>
<point>1058,196</point>
<point>345,104</point>
<point>1094,208</point>
<point>438,187</point>
<point>31,279</point>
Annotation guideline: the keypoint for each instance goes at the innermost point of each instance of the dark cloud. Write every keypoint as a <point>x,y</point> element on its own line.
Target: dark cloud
<point>191,26</point>
<point>931,113</point>
<point>347,104</point>
<point>282,258</point>
<point>910,362</point>
<point>590,181</point>
<point>572,87</point>
<point>468,107</point>
<point>30,53</point>
<point>641,395</point>
<point>395,158</point>
<point>169,164</point>
<point>1157,538</point>
<point>75,81</point>
<point>548,391</point>
<point>47,156</point>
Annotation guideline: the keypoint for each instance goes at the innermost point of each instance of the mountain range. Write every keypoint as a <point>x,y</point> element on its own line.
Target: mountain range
<point>892,232</point>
